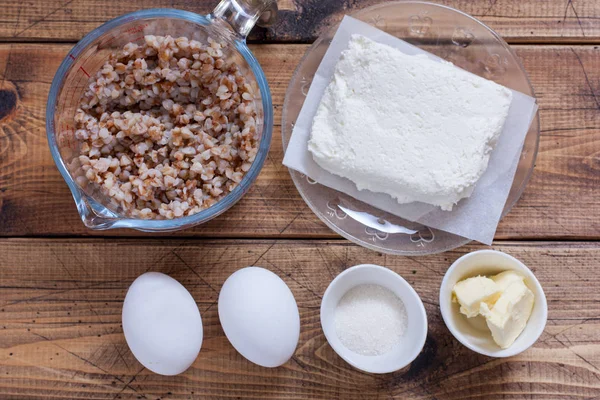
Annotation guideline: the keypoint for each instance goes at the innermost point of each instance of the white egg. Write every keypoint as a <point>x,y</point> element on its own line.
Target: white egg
<point>260,317</point>
<point>162,324</point>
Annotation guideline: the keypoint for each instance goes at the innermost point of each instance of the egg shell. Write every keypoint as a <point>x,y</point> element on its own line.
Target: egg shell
<point>259,315</point>
<point>162,324</point>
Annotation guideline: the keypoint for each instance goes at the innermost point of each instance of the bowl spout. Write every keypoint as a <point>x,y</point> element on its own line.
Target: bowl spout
<point>93,214</point>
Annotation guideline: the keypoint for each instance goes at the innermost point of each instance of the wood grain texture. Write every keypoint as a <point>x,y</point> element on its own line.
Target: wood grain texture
<point>60,333</point>
<point>303,20</point>
<point>559,202</point>
<point>61,299</point>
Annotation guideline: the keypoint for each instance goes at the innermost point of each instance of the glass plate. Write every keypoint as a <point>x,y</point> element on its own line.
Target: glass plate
<point>449,34</point>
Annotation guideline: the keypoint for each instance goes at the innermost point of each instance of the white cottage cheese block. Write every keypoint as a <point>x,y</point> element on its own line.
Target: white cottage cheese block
<point>408,126</point>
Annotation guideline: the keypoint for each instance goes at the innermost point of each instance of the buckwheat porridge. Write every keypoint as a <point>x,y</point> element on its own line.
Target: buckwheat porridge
<point>167,128</point>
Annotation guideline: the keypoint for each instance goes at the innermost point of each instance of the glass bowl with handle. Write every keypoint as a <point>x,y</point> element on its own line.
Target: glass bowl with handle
<point>230,22</point>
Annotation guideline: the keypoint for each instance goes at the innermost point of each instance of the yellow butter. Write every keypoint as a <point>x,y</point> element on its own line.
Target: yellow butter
<point>506,278</point>
<point>472,292</point>
<point>503,299</point>
<point>508,317</point>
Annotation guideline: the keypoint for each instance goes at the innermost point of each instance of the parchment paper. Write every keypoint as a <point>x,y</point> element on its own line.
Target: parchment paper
<point>476,217</point>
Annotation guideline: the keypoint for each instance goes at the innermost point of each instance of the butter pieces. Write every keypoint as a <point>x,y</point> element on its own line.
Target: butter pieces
<point>510,313</point>
<point>506,278</point>
<point>504,300</point>
<point>473,292</point>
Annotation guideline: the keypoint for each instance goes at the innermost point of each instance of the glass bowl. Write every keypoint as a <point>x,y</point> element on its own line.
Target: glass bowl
<point>449,34</point>
<point>230,22</point>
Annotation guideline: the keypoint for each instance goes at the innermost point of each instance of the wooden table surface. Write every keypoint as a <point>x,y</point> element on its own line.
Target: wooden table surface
<point>62,285</point>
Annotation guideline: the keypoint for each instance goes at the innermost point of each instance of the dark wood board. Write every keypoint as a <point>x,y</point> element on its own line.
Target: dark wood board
<point>60,315</point>
<point>547,21</point>
<point>61,298</point>
<point>560,201</point>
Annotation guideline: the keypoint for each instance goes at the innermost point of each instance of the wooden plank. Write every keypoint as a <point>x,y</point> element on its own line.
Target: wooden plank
<point>60,333</point>
<point>303,20</point>
<point>559,202</point>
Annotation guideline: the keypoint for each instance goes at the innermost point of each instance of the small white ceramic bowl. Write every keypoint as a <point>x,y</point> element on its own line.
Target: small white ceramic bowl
<point>416,331</point>
<point>473,332</point>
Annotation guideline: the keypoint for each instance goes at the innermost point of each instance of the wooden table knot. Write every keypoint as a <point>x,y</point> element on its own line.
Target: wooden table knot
<point>9,99</point>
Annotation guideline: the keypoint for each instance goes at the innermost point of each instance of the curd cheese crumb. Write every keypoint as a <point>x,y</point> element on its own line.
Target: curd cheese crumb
<point>408,126</point>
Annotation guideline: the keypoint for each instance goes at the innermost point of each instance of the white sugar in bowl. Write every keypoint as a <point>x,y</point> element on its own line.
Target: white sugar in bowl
<point>415,331</point>
<point>162,324</point>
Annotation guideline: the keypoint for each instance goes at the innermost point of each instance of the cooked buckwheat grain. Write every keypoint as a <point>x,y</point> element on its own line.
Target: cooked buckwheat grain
<point>168,128</point>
